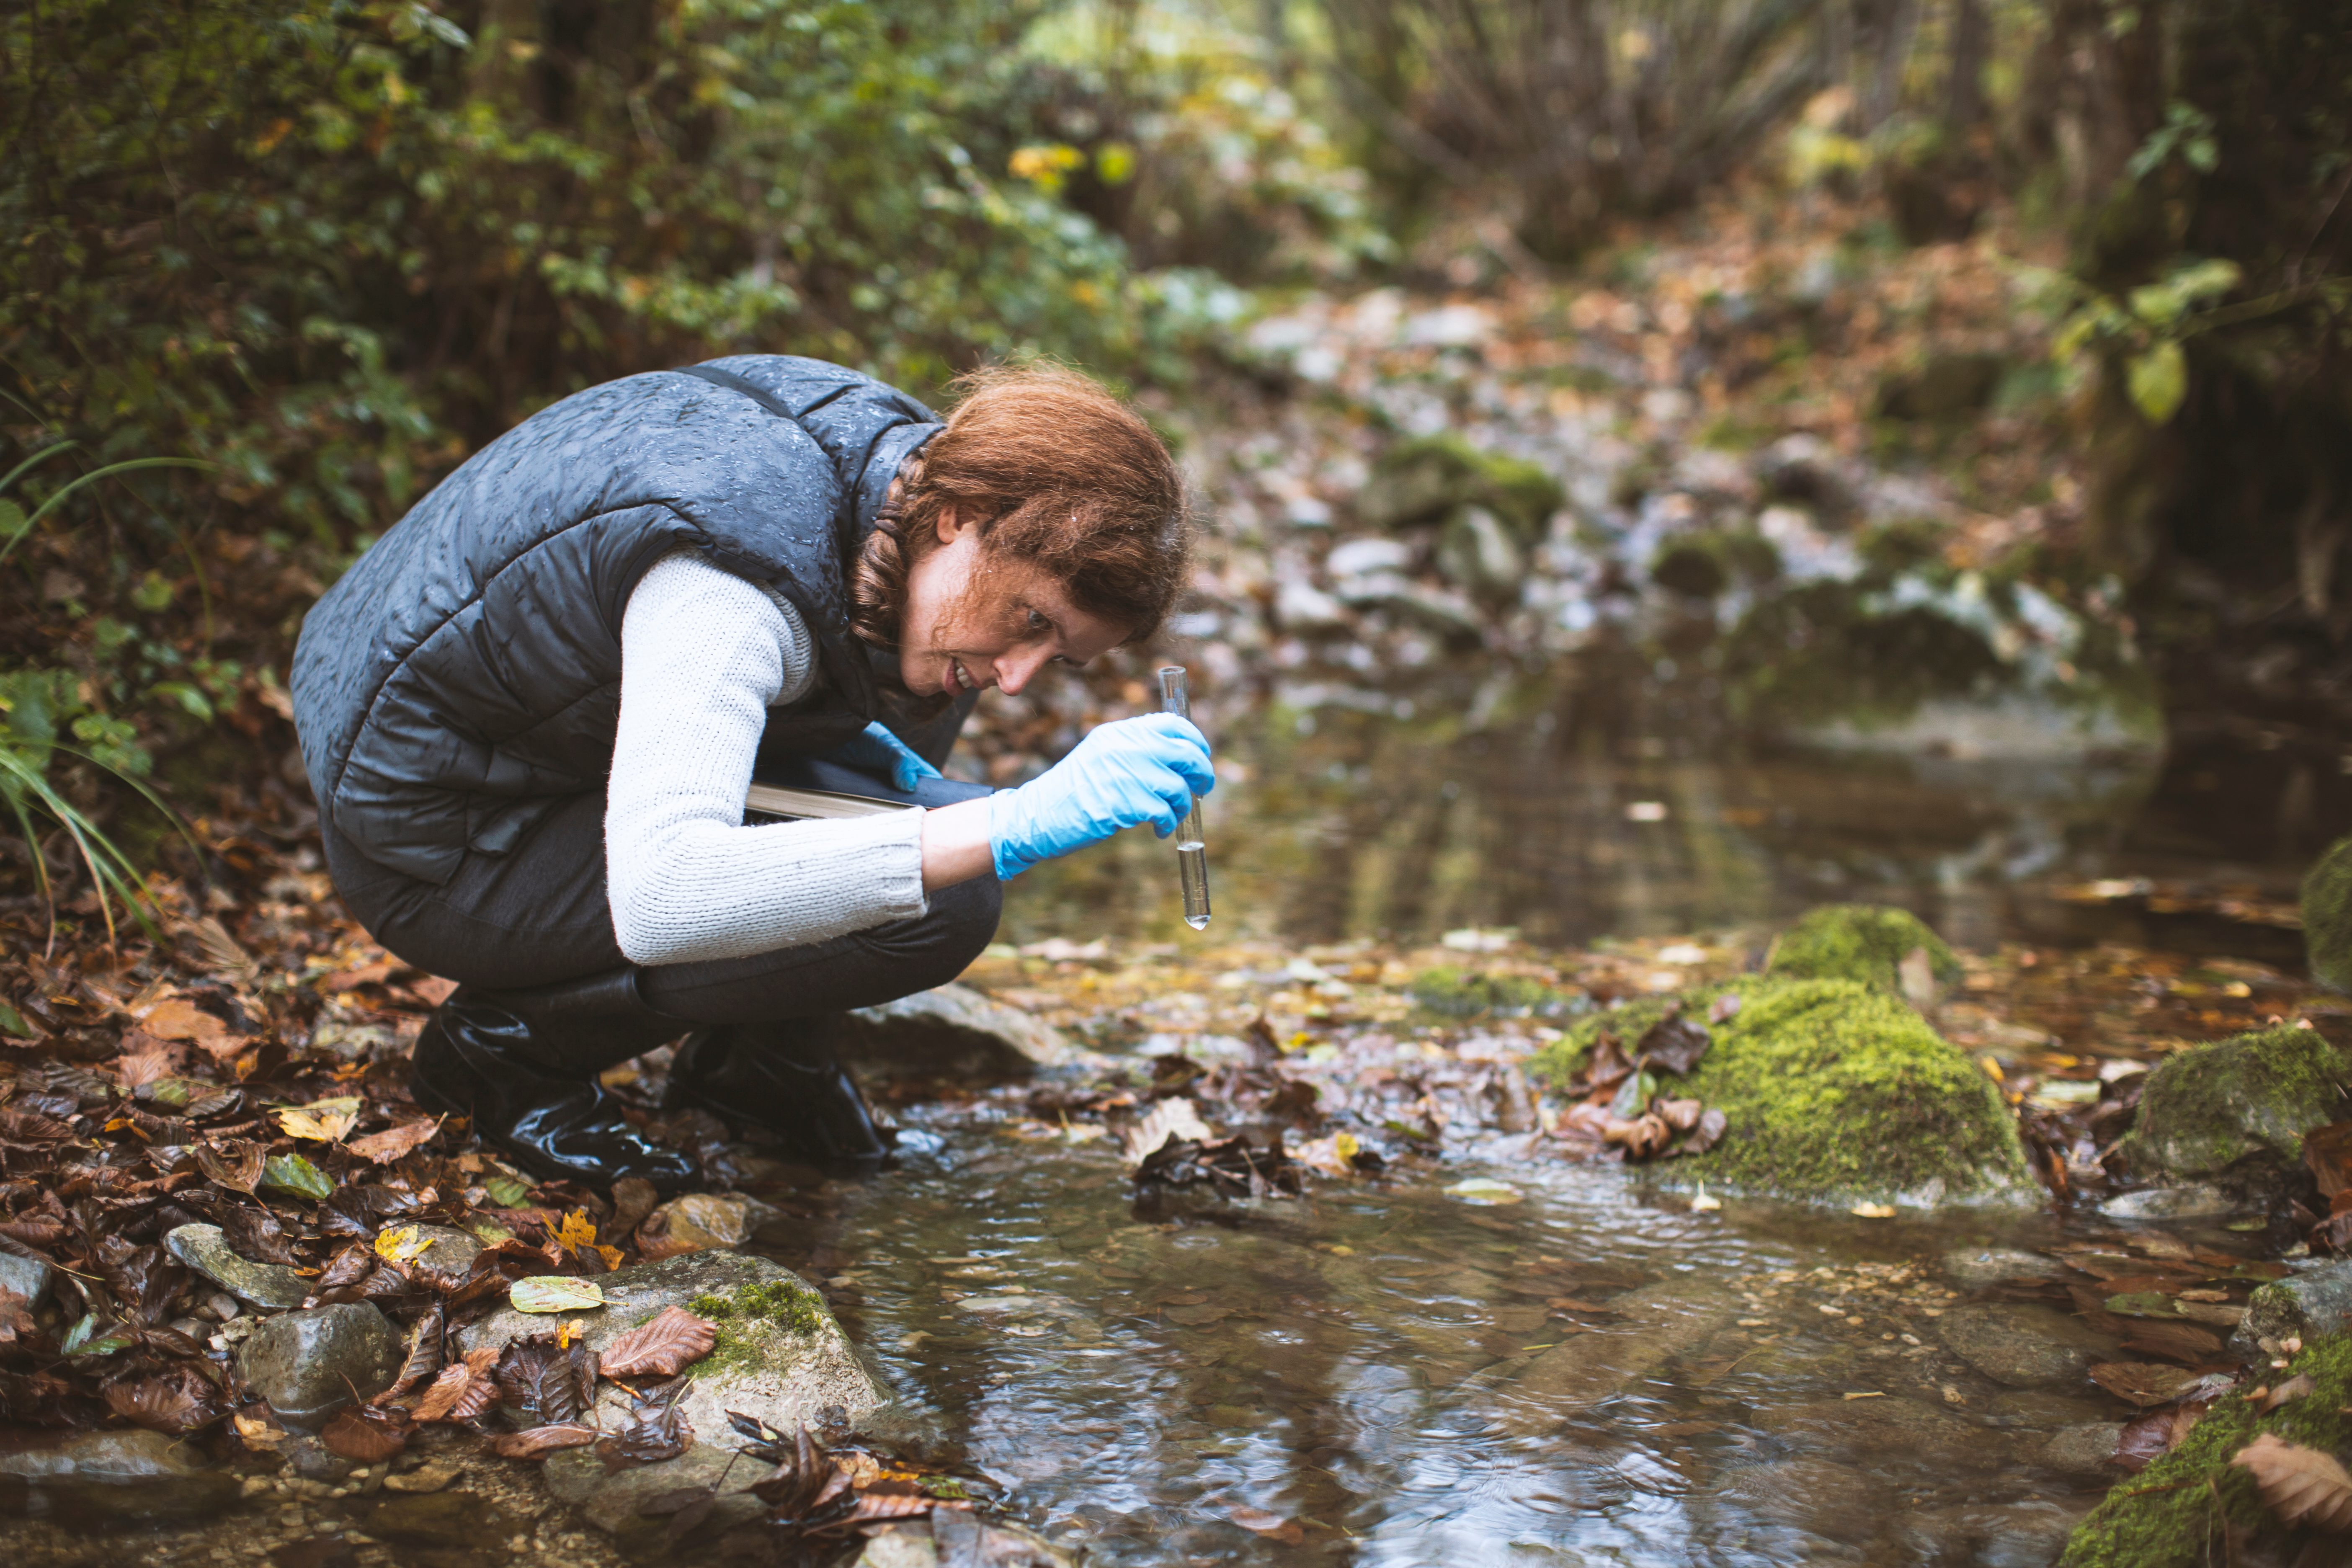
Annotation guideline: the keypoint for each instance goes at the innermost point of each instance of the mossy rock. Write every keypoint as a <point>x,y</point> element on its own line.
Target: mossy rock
<point>1865,943</point>
<point>2327,917</point>
<point>2172,1514</point>
<point>2207,1109</point>
<point>1453,993</point>
<point>1421,480</point>
<point>1834,1092</point>
<point>1703,564</point>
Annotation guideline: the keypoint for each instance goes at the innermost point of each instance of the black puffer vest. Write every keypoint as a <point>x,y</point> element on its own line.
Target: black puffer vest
<point>466,673</point>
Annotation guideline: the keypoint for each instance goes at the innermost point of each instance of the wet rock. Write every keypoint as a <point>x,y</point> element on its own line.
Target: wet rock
<point>2195,1200</point>
<point>448,1520</point>
<point>1998,1535</point>
<point>311,1460</point>
<point>779,1356</point>
<point>2040,1409</point>
<point>28,1277</point>
<point>309,1364</point>
<point>1866,944</point>
<point>702,1220</point>
<point>2087,1449</point>
<point>1970,1266</point>
<point>1833,1091</point>
<point>2021,1344</point>
<point>1656,1323</point>
<point>1304,609</point>
<point>205,1249</point>
<point>612,1499</point>
<point>2327,917</point>
<point>448,1250</point>
<point>1832,1500</point>
<point>954,1536</point>
<point>1477,554</point>
<point>2240,1106</point>
<point>953,1030</point>
<point>1422,481</point>
<point>1872,1430</point>
<point>429,1477</point>
<point>96,1478</point>
<point>2304,1306</point>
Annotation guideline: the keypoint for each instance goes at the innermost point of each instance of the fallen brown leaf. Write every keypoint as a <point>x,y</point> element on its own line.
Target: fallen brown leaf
<point>367,1434</point>
<point>660,1347</point>
<point>2292,1389</point>
<point>2302,1486</point>
<point>394,1142</point>
<point>2142,1383</point>
<point>538,1442</point>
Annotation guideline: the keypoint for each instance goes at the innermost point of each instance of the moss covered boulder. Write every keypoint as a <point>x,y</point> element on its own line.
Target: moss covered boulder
<point>1430,478</point>
<point>2178,1511</point>
<point>2327,917</point>
<point>1866,944</point>
<point>2238,1107</point>
<point>1834,1092</point>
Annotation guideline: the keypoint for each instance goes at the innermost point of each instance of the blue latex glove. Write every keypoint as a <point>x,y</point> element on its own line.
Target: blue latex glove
<point>879,752</point>
<point>1135,771</point>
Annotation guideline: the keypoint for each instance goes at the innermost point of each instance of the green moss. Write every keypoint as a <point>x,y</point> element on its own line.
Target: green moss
<point>776,1304</point>
<point>2327,917</point>
<point>2207,1109</point>
<point>2175,1514</point>
<point>1421,480</point>
<point>1703,564</point>
<point>1455,993</point>
<point>1862,943</point>
<point>1833,1091</point>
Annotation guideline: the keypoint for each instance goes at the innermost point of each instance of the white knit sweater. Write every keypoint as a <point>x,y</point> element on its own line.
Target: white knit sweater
<point>704,655</point>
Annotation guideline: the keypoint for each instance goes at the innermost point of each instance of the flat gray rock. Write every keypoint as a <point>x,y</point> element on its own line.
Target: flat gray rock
<point>28,1277</point>
<point>2024,1345</point>
<point>780,1357</point>
<point>2087,1449</point>
<point>953,1030</point>
<point>612,1499</point>
<point>2195,1200</point>
<point>1970,1266</point>
<point>205,1249</point>
<point>99,1478</point>
<point>2304,1305</point>
<point>309,1364</point>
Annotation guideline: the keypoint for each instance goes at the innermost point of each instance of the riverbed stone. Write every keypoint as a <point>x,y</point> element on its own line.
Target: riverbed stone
<point>2236,1110</point>
<point>30,1278</point>
<point>1833,1091</point>
<point>1840,1501</point>
<point>448,1520</point>
<point>1866,944</point>
<point>447,1249</point>
<point>2026,1535</point>
<point>309,1364</point>
<point>1970,1266</point>
<point>2023,1344</point>
<point>780,1357</point>
<point>205,1249</point>
<point>612,1500</point>
<point>95,1478</point>
<point>2087,1449</point>
<point>1893,1429</point>
<point>953,1031</point>
<point>1654,1324</point>
<point>2190,1200</point>
<point>2327,916</point>
<point>2302,1306</point>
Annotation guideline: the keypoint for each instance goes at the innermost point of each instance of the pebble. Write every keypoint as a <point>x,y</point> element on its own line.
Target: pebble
<point>430,1477</point>
<point>28,1277</point>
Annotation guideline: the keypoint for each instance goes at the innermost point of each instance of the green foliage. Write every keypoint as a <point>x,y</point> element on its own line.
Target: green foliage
<point>1455,993</point>
<point>2327,916</point>
<point>2144,330</point>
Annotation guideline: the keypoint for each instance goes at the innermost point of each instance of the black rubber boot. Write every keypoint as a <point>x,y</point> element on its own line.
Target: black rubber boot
<point>523,1064</point>
<point>782,1079</point>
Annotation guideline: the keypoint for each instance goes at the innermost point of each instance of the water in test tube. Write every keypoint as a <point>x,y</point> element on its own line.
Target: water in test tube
<point>1191,849</point>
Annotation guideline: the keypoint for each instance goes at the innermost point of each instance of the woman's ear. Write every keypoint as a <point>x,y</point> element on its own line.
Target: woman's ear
<point>951,524</point>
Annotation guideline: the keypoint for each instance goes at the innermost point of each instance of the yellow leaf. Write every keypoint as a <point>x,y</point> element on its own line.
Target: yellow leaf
<point>553,1293</point>
<point>1344,1145</point>
<point>325,1120</point>
<point>611,1255</point>
<point>578,1230</point>
<point>565,1332</point>
<point>1874,1211</point>
<point>400,1246</point>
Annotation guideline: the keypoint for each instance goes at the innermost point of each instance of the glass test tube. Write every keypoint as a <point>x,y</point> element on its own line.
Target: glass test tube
<point>1191,849</point>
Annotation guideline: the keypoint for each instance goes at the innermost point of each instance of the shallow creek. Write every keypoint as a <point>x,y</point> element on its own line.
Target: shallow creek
<point>1399,1375</point>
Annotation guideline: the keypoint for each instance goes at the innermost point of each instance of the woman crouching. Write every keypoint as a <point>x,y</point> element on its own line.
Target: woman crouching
<point>531,712</point>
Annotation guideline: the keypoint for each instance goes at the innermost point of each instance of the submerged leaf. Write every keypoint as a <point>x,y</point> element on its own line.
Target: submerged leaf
<point>661,1347</point>
<point>555,1293</point>
<point>538,1442</point>
<point>2302,1486</point>
<point>2142,1383</point>
<point>365,1433</point>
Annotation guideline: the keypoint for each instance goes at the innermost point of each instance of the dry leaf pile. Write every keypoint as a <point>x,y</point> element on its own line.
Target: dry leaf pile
<point>1620,1108</point>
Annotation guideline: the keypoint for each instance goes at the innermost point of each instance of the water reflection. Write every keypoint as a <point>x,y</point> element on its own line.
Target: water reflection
<point>1393,1377</point>
<point>1593,798</point>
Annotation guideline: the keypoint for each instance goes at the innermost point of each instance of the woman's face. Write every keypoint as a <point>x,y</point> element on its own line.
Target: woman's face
<point>971,622</point>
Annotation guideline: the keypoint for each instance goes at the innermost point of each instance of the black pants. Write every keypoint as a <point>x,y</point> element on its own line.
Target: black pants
<point>538,915</point>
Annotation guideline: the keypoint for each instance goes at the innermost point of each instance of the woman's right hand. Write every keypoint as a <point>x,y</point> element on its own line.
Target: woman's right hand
<point>1133,770</point>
